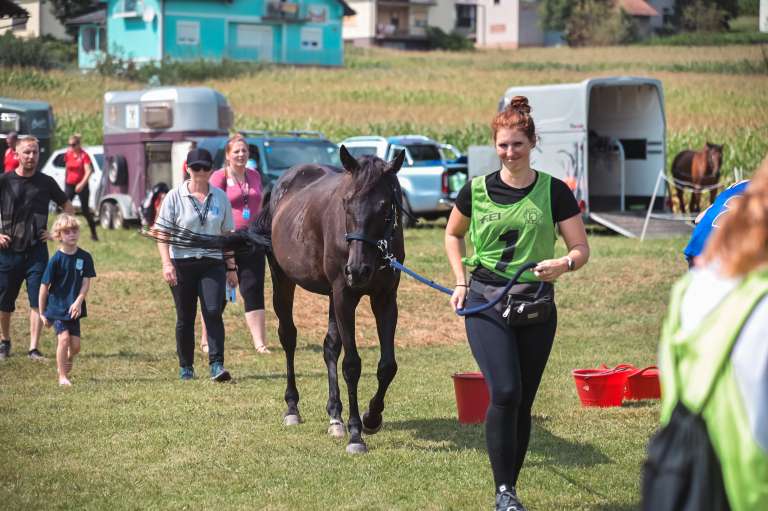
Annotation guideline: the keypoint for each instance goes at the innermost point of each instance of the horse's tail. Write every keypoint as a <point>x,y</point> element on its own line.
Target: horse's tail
<point>263,223</point>
<point>241,241</point>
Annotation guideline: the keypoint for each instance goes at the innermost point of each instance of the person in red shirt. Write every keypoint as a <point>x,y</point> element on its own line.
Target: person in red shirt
<point>79,170</point>
<point>11,158</point>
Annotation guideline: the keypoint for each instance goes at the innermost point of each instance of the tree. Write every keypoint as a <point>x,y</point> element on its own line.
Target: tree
<point>65,9</point>
<point>555,13</point>
<point>598,23</point>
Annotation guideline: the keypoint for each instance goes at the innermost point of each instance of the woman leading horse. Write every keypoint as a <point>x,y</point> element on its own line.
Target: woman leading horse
<point>511,215</point>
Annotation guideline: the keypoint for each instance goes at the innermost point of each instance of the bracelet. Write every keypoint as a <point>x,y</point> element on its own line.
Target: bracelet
<point>461,285</point>
<point>231,269</point>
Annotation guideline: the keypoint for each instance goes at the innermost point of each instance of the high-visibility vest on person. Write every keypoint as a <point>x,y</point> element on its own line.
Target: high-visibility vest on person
<point>506,236</point>
<point>696,369</point>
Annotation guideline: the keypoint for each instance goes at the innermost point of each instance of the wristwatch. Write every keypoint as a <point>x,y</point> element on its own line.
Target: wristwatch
<point>571,264</point>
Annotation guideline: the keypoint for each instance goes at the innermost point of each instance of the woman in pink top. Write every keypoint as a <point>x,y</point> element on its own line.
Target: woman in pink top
<point>243,188</point>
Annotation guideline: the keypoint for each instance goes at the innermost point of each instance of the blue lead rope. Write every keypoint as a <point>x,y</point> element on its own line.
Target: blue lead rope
<point>394,263</point>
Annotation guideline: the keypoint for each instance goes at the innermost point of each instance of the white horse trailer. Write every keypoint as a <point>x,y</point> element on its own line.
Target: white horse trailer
<point>605,137</point>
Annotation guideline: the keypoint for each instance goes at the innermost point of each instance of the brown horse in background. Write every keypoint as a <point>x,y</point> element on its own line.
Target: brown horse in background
<point>699,170</point>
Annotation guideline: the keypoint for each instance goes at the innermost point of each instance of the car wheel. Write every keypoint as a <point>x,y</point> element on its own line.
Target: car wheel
<point>107,215</point>
<point>408,220</point>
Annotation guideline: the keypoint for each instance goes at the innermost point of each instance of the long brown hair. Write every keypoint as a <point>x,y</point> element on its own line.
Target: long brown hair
<point>741,243</point>
<point>517,115</point>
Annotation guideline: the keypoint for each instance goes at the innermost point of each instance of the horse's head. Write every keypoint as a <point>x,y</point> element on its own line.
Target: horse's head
<point>715,156</point>
<point>370,199</point>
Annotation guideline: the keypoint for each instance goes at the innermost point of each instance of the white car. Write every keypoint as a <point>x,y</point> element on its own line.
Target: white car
<point>55,168</point>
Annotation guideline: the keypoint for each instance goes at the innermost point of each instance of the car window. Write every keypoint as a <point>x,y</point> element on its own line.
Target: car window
<point>424,153</point>
<point>283,154</point>
<point>357,152</point>
<point>99,157</point>
<point>59,161</point>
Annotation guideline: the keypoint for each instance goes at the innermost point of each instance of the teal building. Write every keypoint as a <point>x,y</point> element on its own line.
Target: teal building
<point>291,32</point>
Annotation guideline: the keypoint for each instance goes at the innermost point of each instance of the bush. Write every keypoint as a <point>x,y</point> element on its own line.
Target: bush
<point>701,16</point>
<point>40,52</point>
<point>599,23</point>
<point>439,40</point>
<point>171,72</point>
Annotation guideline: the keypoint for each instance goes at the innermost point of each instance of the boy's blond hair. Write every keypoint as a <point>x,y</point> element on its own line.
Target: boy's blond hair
<point>63,222</point>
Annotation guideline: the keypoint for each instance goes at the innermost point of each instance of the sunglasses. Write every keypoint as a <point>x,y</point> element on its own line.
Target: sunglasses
<point>198,168</point>
<point>73,145</point>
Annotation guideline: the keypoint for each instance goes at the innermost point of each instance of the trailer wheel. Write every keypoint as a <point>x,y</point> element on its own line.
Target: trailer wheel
<point>110,216</point>
<point>117,171</point>
<point>106,215</point>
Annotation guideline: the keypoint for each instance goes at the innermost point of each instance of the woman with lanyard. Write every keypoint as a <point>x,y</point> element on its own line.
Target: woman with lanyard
<point>511,215</point>
<point>243,188</point>
<point>78,171</point>
<point>196,206</point>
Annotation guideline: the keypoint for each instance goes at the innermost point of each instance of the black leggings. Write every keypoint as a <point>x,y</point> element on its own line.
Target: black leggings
<point>84,195</point>
<point>250,274</point>
<point>512,361</point>
<point>204,278</point>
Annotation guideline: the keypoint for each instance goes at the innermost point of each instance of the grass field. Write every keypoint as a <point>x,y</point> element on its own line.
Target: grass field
<point>129,435</point>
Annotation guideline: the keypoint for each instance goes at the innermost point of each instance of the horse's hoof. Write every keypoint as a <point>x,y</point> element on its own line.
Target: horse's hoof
<point>337,429</point>
<point>360,448</point>
<point>371,429</point>
<point>292,419</point>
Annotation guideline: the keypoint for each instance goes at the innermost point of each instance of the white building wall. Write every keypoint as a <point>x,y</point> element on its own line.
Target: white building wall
<point>763,15</point>
<point>41,21</point>
<point>363,24</point>
<point>502,24</point>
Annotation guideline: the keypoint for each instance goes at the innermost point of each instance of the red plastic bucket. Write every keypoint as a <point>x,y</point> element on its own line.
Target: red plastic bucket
<point>600,387</point>
<point>643,384</point>
<point>471,397</point>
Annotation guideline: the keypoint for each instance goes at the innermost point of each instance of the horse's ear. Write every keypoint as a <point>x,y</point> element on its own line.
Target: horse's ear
<point>348,161</point>
<point>394,166</point>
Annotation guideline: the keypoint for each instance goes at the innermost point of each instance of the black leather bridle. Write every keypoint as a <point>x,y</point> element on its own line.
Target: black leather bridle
<point>382,244</point>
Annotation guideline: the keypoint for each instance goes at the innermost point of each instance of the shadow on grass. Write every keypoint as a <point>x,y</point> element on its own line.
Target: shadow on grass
<point>618,507</point>
<point>547,445</point>
<point>131,355</point>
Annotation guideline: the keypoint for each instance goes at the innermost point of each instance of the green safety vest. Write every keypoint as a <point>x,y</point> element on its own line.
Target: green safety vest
<point>507,236</point>
<point>692,365</point>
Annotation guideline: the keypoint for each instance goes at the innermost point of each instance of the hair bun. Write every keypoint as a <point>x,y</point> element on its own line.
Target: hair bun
<point>520,104</point>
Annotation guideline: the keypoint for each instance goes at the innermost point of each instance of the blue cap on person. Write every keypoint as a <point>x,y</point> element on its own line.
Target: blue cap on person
<point>199,158</point>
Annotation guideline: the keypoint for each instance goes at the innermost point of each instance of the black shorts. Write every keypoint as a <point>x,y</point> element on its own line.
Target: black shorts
<point>15,268</point>
<point>67,325</point>
<point>250,274</point>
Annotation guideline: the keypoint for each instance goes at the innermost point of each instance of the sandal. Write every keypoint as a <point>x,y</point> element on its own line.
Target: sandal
<point>262,349</point>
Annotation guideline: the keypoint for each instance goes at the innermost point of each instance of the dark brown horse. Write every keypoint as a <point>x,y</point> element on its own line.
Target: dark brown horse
<point>327,227</point>
<point>699,170</point>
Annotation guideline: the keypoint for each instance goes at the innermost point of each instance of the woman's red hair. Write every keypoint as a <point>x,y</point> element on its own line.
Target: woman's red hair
<point>517,115</point>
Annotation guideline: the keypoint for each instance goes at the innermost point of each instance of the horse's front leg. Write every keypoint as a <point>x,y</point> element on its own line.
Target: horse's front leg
<point>344,303</point>
<point>283,290</point>
<point>331,352</point>
<point>384,306</point>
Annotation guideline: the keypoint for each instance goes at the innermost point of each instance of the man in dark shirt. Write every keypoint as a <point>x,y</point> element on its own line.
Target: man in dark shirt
<point>24,198</point>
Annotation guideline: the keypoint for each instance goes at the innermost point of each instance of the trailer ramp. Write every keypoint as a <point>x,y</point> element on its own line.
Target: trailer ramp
<point>630,224</point>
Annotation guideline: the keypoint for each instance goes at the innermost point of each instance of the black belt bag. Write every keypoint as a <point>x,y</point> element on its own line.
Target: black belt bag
<point>525,304</point>
<point>522,309</point>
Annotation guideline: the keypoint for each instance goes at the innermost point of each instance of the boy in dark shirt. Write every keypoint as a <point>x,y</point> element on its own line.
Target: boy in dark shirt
<point>24,198</point>
<point>63,288</point>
